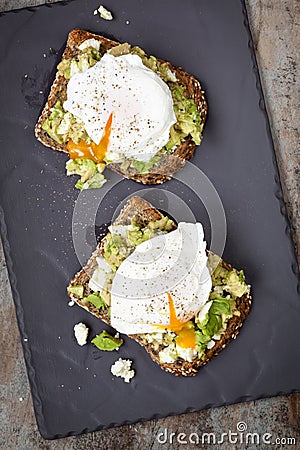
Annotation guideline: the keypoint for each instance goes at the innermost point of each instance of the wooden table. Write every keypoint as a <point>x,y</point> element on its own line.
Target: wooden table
<point>275,26</point>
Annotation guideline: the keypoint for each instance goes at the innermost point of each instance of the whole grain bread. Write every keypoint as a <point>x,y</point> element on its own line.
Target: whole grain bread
<point>169,163</point>
<point>144,212</point>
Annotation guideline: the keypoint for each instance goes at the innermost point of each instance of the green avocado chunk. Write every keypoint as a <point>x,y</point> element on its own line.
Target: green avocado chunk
<point>76,290</point>
<point>104,341</point>
<point>236,283</point>
<point>86,59</point>
<point>115,250</point>
<point>90,173</point>
<point>96,300</point>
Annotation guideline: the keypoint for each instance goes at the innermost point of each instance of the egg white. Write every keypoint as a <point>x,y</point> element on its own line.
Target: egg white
<point>141,103</point>
<point>174,263</point>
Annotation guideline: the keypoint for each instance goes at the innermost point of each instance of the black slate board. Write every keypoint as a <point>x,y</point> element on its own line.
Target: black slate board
<point>72,388</point>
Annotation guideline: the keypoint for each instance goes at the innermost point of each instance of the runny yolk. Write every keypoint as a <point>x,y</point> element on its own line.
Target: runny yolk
<point>93,151</point>
<point>186,336</point>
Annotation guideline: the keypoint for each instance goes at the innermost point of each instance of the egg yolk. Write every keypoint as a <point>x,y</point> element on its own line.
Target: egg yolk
<point>186,336</point>
<point>93,151</point>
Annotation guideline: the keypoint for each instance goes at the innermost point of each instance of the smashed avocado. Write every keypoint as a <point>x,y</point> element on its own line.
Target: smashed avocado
<point>233,281</point>
<point>86,59</point>
<point>62,126</point>
<point>117,248</point>
<point>90,173</point>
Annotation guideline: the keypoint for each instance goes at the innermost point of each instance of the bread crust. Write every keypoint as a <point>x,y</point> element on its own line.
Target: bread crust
<point>146,213</point>
<point>168,164</point>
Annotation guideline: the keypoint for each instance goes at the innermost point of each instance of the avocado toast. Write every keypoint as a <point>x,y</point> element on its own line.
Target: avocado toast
<point>214,326</point>
<point>57,127</point>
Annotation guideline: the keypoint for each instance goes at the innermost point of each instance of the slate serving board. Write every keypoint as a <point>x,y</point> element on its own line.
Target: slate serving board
<point>72,388</point>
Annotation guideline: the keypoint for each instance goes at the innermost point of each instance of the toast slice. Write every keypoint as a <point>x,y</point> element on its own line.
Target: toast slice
<point>168,163</point>
<point>144,213</point>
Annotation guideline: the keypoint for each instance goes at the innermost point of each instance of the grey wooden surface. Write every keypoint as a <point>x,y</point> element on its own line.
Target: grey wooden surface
<point>275,26</point>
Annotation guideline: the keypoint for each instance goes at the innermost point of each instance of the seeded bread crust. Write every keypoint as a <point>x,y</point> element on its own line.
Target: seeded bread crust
<point>168,164</point>
<point>136,206</point>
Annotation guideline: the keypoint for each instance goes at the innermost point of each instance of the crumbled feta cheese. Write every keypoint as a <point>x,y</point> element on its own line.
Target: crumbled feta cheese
<point>74,68</point>
<point>81,333</point>
<point>94,43</point>
<point>95,12</point>
<point>168,354</point>
<point>171,75</point>
<point>121,230</point>
<point>105,13</point>
<point>71,303</point>
<point>218,289</point>
<point>211,344</point>
<point>187,354</point>
<point>113,156</point>
<point>153,337</point>
<point>122,368</point>
<point>217,337</point>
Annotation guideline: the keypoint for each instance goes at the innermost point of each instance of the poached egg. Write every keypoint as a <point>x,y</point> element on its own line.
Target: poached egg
<point>126,108</point>
<point>161,286</point>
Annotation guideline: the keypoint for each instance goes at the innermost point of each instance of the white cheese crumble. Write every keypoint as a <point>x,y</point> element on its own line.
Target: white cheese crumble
<point>81,333</point>
<point>171,75</point>
<point>211,344</point>
<point>187,354</point>
<point>218,289</point>
<point>168,354</point>
<point>122,368</point>
<point>105,13</point>
<point>121,230</point>
<point>94,43</point>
